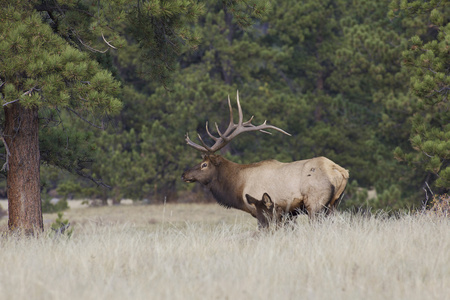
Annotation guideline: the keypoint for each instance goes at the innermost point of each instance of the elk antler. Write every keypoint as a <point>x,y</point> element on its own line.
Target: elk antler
<point>232,131</point>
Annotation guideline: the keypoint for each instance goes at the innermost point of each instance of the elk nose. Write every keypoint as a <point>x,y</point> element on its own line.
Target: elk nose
<point>185,179</point>
<point>183,176</point>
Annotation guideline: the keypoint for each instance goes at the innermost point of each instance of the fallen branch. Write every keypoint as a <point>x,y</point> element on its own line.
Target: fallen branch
<point>8,154</point>
<point>60,230</point>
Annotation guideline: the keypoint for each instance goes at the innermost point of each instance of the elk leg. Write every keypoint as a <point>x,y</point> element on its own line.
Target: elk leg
<point>289,220</point>
<point>314,208</point>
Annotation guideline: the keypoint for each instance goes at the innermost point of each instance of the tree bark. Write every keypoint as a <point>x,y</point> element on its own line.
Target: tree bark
<point>23,178</point>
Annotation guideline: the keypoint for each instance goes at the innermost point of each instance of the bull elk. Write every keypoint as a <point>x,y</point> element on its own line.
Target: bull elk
<point>308,186</point>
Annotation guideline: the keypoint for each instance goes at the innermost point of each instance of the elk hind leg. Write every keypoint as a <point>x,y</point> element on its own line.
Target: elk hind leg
<point>318,207</point>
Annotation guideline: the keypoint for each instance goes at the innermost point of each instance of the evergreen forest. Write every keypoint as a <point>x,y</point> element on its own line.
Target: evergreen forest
<point>117,85</point>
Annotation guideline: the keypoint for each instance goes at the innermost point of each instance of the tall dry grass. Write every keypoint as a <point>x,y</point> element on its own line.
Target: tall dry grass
<point>123,255</point>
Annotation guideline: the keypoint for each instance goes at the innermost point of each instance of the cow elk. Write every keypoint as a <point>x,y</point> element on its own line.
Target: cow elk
<point>308,186</point>
<point>266,211</point>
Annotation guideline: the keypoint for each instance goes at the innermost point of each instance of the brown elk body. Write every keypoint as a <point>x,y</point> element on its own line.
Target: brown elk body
<point>311,186</point>
<point>307,186</point>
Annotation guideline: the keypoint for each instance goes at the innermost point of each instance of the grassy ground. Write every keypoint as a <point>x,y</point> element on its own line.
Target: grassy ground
<point>193,251</point>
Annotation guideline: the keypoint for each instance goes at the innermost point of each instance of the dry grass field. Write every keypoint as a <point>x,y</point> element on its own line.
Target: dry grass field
<point>203,251</point>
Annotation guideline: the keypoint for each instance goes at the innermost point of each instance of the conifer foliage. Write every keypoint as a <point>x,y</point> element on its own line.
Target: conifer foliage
<point>428,60</point>
<point>40,70</point>
<point>49,76</point>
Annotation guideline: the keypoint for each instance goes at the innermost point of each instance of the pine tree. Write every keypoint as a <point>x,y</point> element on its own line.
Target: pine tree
<point>428,59</point>
<point>40,70</point>
<point>48,67</point>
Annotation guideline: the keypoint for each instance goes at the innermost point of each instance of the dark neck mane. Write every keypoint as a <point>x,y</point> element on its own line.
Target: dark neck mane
<point>225,188</point>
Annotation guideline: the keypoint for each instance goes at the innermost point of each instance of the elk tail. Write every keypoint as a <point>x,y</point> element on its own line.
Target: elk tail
<point>344,172</point>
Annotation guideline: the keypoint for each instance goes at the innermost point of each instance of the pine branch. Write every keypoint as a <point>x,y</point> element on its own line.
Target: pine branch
<point>24,94</point>
<point>97,182</point>
<point>85,120</point>
<point>87,46</point>
<point>10,102</point>
<point>107,43</point>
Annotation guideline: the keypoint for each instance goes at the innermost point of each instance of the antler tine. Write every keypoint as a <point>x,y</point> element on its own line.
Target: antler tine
<point>208,149</point>
<point>209,133</point>
<point>241,118</point>
<point>218,130</point>
<point>249,122</point>
<point>231,109</point>
<point>194,145</point>
<point>272,127</point>
<point>265,126</point>
<point>263,131</point>
<point>231,124</point>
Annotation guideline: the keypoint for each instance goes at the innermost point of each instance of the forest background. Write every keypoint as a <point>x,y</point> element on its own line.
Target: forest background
<point>364,83</point>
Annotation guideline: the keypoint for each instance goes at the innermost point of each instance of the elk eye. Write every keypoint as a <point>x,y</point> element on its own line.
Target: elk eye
<point>204,165</point>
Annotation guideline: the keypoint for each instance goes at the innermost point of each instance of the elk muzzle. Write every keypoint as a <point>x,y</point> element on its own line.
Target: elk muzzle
<point>187,178</point>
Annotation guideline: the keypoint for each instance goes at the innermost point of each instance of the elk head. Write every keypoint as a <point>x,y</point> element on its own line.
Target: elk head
<point>265,204</point>
<point>204,171</point>
<point>264,209</point>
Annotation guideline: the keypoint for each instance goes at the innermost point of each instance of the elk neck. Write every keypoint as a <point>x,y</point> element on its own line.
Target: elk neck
<point>227,187</point>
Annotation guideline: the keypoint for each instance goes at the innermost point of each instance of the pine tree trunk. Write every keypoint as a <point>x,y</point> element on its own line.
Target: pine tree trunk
<point>23,181</point>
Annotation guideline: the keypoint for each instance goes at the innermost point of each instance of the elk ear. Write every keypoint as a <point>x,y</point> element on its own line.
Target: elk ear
<point>267,201</point>
<point>215,159</point>
<point>250,199</point>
